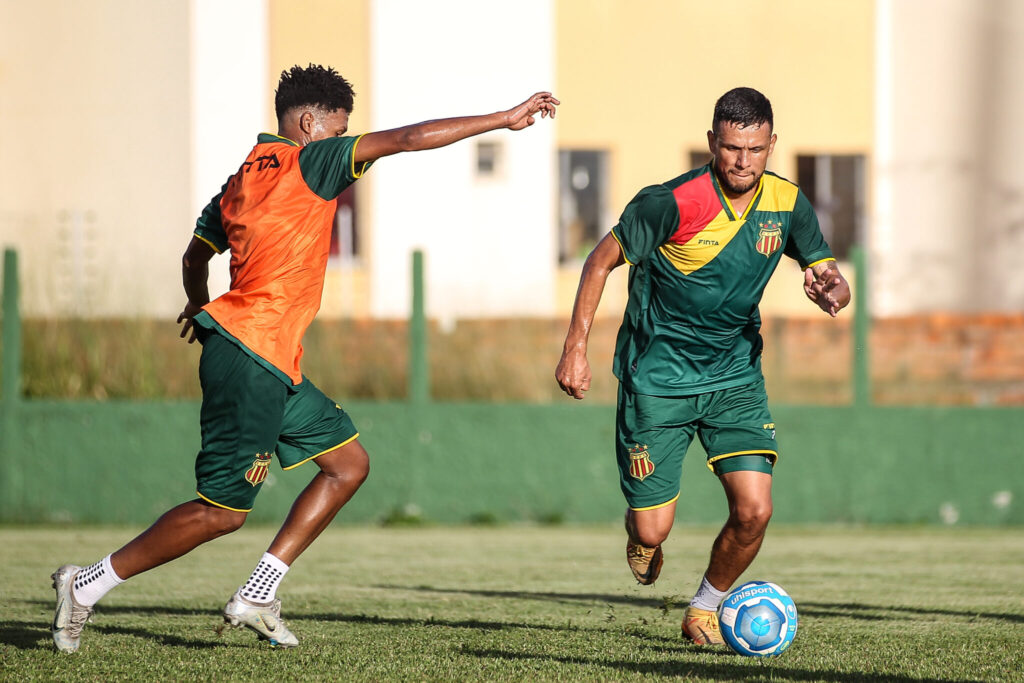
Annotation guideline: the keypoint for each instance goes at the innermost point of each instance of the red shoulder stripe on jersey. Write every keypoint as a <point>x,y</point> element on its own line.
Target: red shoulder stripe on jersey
<point>698,205</point>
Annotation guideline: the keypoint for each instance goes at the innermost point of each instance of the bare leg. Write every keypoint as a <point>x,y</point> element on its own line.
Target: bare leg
<point>179,531</point>
<point>750,507</point>
<point>650,527</point>
<point>342,472</point>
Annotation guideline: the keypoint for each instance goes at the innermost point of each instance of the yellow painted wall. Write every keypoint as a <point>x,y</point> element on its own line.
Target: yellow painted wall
<point>334,34</point>
<point>640,79</point>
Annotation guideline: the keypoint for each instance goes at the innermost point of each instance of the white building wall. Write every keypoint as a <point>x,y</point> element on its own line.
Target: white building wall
<point>948,225</point>
<point>229,58</point>
<point>489,244</point>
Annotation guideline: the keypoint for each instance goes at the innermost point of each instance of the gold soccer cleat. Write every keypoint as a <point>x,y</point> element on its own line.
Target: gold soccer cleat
<point>701,627</point>
<point>644,562</point>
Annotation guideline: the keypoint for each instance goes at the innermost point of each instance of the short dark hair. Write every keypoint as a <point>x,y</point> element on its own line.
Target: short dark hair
<point>314,86</point>
<point>743,107</point>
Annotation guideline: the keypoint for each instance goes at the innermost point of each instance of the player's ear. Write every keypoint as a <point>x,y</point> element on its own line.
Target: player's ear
<point>307,122</point>
<point>711,142</point>
<point>771,145</point>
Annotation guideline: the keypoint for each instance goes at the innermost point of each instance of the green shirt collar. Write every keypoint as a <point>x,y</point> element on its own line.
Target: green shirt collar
<point>270,137</point>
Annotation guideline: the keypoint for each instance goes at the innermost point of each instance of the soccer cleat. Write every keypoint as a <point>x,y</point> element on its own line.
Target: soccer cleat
<point>701,626</point>
<point>645,562</point>
<point>69,617</point>
<point>264,619</point>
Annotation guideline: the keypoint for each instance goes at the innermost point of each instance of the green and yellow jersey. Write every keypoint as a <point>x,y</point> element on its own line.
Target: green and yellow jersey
<point>275,215</point>
<point>697,274</point>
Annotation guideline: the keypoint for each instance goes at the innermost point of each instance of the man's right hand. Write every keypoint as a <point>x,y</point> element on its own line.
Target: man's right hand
<point>191,311</point>
<point>573,373</point>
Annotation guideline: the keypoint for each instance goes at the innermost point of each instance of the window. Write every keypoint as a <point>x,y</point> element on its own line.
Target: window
<point>582,202</point>
<point>345,237</point>
<point>835,185</point>
<point>488,159</point>
<point>698,158</point>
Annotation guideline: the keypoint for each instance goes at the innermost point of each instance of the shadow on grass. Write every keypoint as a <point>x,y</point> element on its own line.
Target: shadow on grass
<point>753,670</point>
<point>28,635</point>
<point>816,609</point>
<point>34,635</point>
<point>563,598</point>
<point>885,612</point>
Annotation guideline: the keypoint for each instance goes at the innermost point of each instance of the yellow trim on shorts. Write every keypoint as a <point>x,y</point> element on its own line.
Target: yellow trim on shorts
<point>715,459</point>
<point>213,502</point>
<point>655,507</point>
<point>821,260</point>
<point>332,448</point>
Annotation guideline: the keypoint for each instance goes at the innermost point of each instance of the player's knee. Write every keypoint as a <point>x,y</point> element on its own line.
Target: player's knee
<point>350,465</point>
<point>649,535</point>
<point>221,521</point>
<point>753,516</point>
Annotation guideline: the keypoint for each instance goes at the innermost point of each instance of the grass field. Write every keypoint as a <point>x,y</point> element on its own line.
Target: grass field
<point>528,603</point>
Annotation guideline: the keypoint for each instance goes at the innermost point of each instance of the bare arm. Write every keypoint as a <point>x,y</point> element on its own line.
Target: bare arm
<point>826,286</point>
<point>573,371</point>
<point>433,134</point>
<point>195,272</point>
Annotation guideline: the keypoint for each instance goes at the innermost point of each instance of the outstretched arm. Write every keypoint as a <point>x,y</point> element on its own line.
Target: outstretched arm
<point>826,286</point>
<point>433,134</point>
<point>195,272</point>
<point>573,371</point>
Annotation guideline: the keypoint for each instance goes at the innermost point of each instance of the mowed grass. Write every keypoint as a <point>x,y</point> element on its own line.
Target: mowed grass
<point>528,603</point>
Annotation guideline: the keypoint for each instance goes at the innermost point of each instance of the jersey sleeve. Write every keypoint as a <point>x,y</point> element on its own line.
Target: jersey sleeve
<point>329,166</point>
<point>209,227</point>
<point>646,223</point>
<point>806,244</point>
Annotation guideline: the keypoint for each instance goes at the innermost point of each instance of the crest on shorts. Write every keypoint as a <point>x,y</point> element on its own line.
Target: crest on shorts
<point>260,467</point>
<point>640,465</point>
<point>769,238</point>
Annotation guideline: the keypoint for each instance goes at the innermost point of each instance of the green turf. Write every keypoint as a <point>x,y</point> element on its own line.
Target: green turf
<point>528,603</point>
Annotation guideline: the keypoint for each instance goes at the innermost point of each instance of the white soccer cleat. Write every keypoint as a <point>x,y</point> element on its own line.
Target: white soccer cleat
<point>264,619</point>
<point>69,617</point>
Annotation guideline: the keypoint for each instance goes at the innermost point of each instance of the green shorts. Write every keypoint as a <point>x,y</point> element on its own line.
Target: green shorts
<point>652,434</point>
<point>249,415</point>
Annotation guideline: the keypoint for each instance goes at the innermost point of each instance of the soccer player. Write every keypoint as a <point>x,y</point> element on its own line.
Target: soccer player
<point>274,216</point>
<point>701,248</point>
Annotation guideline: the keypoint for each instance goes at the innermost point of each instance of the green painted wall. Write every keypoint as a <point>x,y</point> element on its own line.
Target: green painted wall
<point>122,462</point>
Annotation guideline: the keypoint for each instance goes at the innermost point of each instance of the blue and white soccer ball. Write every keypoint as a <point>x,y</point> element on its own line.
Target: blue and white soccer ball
<point>758,619</point>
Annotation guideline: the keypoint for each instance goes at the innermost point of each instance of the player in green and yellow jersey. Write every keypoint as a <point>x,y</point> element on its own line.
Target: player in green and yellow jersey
<point>274,216</point>
<point>701,248</point>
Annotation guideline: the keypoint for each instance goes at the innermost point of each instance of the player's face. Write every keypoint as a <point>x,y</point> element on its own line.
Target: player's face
<point>328,124</point>
<point>741,155</point>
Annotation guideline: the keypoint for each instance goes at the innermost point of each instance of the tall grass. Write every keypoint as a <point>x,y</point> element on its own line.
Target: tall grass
<point>804,362</point>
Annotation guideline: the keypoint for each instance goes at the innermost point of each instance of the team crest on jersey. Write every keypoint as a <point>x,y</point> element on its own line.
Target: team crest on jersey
<point>769,239</point>
<point>640,465</point>
<point>259,470</point>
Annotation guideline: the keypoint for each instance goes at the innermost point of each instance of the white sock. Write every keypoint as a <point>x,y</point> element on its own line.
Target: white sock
<point>92,583</point>
<point>708,597</point>
<point>262,585</point>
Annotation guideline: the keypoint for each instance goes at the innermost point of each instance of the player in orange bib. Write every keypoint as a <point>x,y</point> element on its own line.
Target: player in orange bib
<point>274,216</point>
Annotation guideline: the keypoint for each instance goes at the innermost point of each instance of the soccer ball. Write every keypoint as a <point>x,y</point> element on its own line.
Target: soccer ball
<point>758,619</point>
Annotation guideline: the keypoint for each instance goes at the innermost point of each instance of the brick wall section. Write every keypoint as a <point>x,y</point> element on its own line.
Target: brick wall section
<point>938,359</point>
